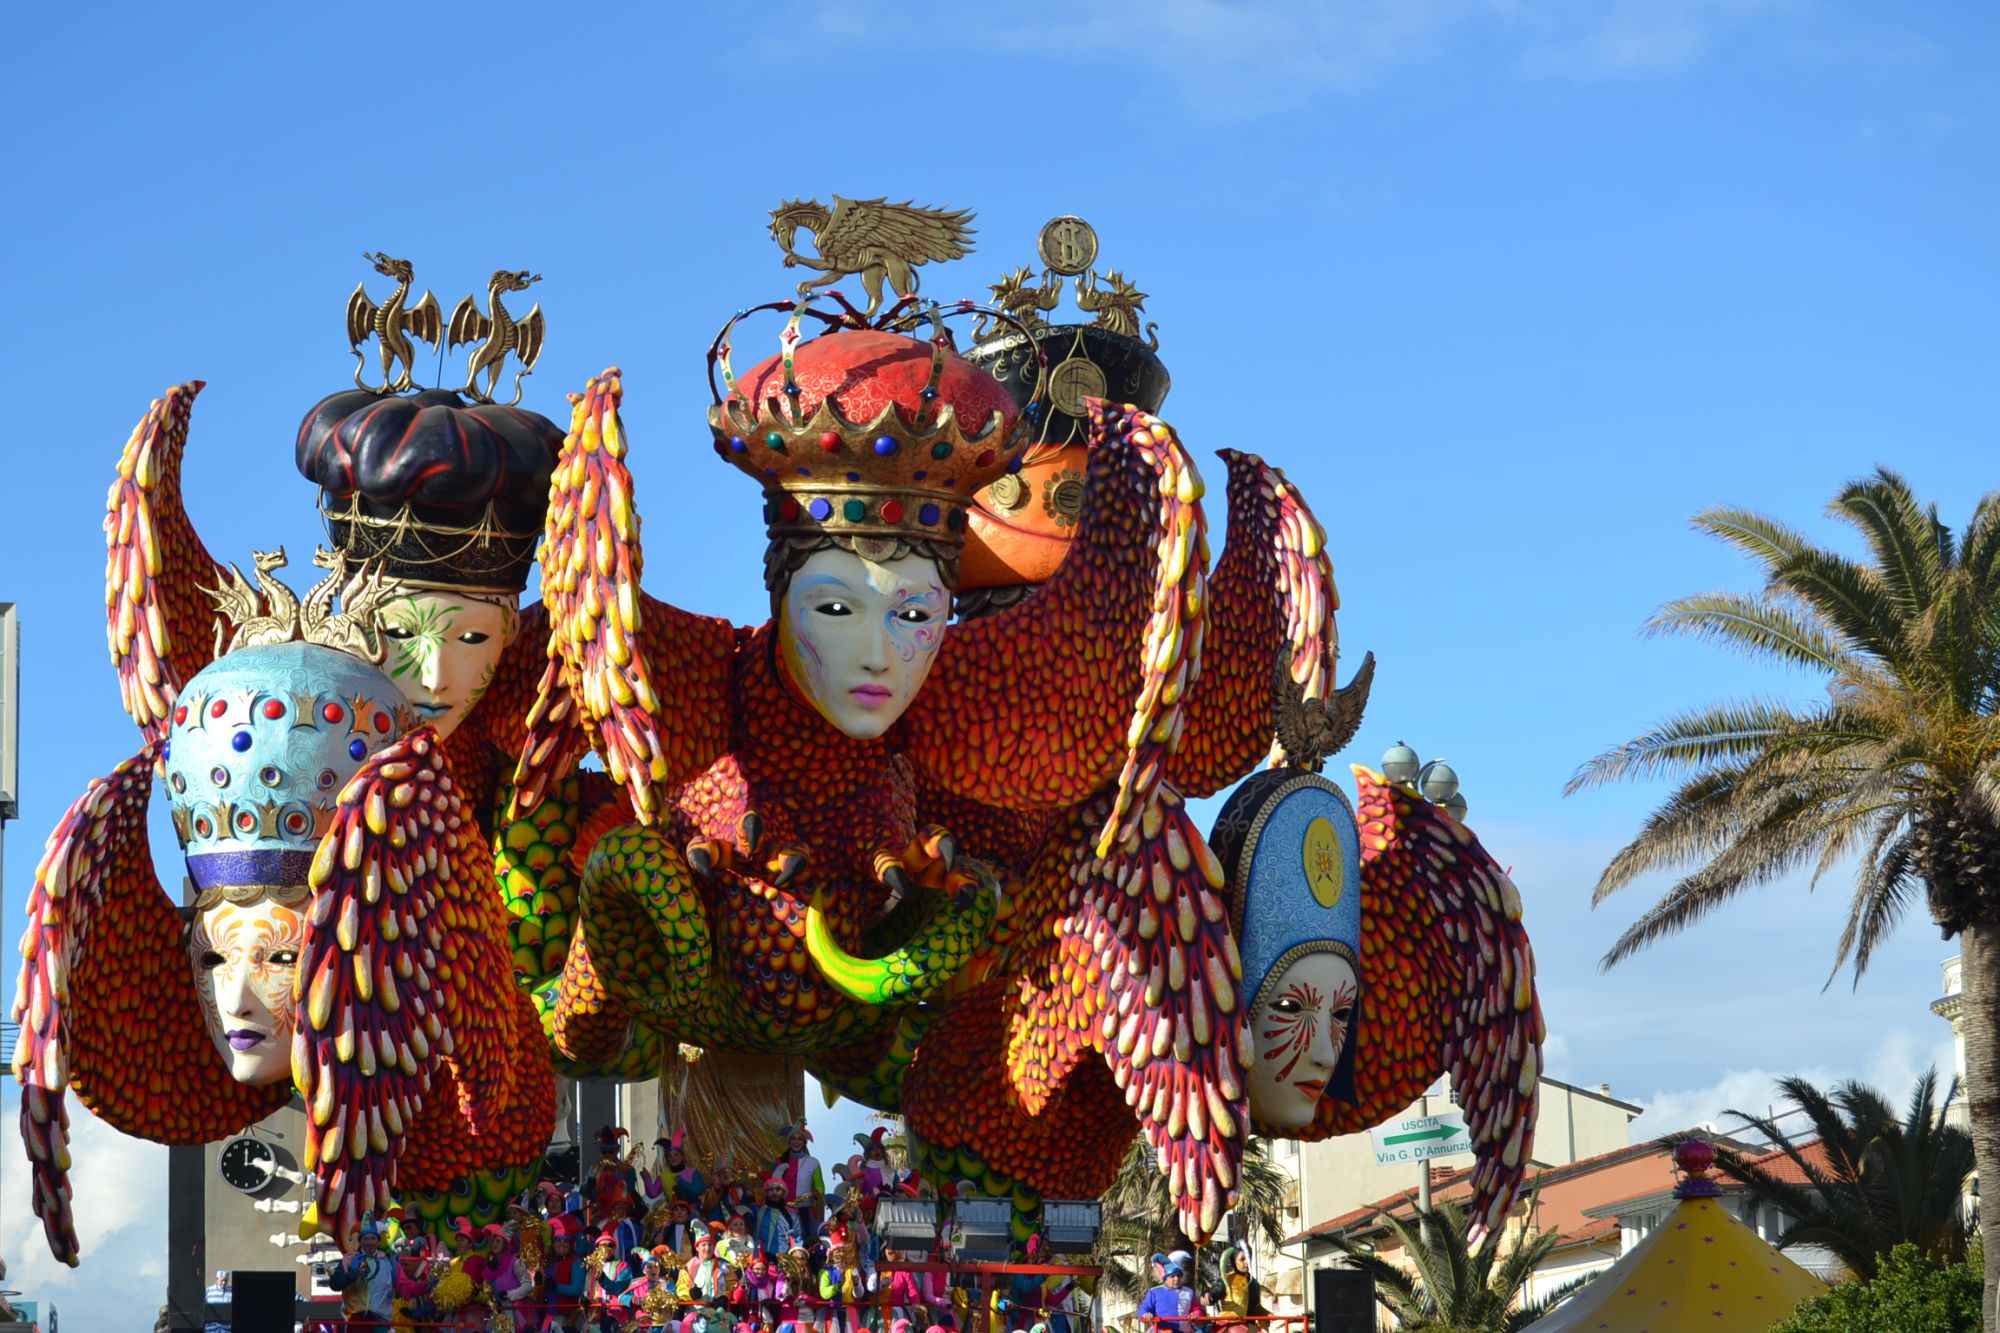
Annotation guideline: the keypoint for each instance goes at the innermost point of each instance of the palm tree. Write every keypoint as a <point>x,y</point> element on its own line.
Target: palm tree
<point>1897,767</point>
<point>1448,1284</point>
<point>1878,1181</point>
<point>1139,1217</point>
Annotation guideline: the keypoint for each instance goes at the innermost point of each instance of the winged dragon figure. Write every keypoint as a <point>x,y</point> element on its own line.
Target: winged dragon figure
<point>870,238</point>
<point>394,323</point>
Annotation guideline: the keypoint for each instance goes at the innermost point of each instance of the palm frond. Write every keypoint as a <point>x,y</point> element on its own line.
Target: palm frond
<point>1850,596</point>
<point>1765,540</point>
<point>1758,627</point>
<point>1911,548</point>
<point>1692,740</point>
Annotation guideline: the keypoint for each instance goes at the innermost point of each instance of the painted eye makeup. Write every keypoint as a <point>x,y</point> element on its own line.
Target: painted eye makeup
<point>473,636</point>
<point>285,958</point>
<point>834,609</point>
<point>398,633</point>
<point>210,960</point>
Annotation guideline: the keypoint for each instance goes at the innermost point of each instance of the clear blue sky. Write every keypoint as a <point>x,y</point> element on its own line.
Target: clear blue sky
<point>1511,290</point>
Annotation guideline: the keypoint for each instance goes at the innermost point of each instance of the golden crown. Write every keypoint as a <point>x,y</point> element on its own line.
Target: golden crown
<point>866,431</point>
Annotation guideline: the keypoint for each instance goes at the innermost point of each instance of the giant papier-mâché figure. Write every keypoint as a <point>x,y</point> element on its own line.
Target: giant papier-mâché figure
<point>998,1088</point>
<point>445,492</point>
<point>796,782</point>
<point>344,940</point>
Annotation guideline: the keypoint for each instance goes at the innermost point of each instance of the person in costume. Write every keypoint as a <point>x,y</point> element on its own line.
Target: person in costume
<point>805,1186</point>
<point>703,1277</point>
<point>652,1299</point>
<point>736,1245</point>
<point>779,1226</point>
<point>677,1172</point>
<point>844,1283</point>
<point>679,1232</point>
<point>1170,1306</point>
<point>366,1280</point>
<point>566,1276</point>
<point>1242,1294</point>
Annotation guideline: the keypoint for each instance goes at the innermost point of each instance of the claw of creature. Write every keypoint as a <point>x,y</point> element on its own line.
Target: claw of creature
<point>751,828</point>
<point>897,881</point>
<point>789,864</point>
<point>701,857</point>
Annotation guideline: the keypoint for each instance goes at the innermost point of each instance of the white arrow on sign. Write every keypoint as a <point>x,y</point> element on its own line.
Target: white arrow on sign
<point>1418,1138</point>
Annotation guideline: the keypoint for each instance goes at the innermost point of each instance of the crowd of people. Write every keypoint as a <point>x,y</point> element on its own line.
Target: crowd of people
<point>659,1243</point>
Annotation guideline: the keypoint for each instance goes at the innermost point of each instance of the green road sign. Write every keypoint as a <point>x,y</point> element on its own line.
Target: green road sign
<point>1418,1138</point>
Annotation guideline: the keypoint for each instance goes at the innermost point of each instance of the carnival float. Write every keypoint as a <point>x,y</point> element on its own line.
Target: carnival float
<point>926,829</point>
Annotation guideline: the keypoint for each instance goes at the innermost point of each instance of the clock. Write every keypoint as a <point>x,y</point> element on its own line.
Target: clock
<point>248,1164</point>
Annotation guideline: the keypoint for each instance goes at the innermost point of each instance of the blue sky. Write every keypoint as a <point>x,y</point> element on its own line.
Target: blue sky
<point>1511,290</point>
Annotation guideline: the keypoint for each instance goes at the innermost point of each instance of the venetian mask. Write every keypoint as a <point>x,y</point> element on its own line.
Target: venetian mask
<point>444,646</point>
<point>244,958</point>
<point>262,741</point>
<point>1289,845</point>
<point>1298,1030</point>
<point>859,637</point>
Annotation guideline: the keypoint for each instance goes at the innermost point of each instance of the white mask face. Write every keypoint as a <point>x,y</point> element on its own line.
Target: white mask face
<point>859,637</point>
<point>244,960</point>
<point>444,646</point>
<point>1299,1030</point>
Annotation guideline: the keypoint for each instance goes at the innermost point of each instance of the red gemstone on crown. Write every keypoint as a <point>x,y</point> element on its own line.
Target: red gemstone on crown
<point>273,709</point>
<point>333,712</point>
<point>218,708</point>
<point>829,440</point>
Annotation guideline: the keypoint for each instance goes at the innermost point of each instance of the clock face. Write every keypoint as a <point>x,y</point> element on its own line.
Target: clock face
<point>247,1164</point>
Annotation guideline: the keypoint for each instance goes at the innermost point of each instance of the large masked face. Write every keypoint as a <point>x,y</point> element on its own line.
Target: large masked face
<point>1301,1023</point>
<point>444,645</point>
<point>244,959</point>
<point>860,637</point>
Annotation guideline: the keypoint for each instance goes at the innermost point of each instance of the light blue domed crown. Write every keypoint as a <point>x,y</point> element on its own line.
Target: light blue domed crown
<point>263,739</point>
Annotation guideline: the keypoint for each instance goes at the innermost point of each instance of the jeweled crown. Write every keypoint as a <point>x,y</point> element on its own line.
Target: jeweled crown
<point>866,431</point>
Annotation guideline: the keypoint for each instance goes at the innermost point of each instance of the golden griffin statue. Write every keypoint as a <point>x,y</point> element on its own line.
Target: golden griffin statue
<point>501,332</point>
<point>1117,305</point>
<point>871,238</point>
<point>394,323</point>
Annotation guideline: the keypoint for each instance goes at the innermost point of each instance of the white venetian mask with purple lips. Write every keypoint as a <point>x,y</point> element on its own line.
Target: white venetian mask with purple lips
<point>859,636</point>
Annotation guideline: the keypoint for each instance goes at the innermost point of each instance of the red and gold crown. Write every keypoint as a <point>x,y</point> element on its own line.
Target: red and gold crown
<point>866,431</point>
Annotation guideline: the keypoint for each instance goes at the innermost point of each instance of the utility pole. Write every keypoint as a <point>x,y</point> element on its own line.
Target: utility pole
<point>10,751</point>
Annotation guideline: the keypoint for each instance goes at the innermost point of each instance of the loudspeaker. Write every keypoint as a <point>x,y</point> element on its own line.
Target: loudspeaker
<point>262,1302</point>
<point>1343,1301</point>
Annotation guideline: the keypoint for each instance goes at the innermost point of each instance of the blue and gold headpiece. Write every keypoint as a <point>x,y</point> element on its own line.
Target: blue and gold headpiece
<point>263,738</point>
<point>1288,842</point>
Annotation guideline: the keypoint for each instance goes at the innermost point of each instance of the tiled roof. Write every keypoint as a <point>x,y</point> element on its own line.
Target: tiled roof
<point>1456,1186</point>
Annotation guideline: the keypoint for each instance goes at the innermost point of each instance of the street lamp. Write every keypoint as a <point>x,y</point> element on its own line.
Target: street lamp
<point>1436,781</point>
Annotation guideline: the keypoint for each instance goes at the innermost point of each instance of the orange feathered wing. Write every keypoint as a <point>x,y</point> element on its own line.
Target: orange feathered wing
<point>610,646</point>
<point>1082,686</point>
<point>159,621</point>
<point>405,973</point>
<point>1272,600</point>
<point>106,1000</point>
<point>1448,986</point>
<point>1140,969</point>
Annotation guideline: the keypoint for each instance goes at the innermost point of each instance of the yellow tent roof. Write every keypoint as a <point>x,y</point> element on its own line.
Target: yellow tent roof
<point>1701,1269</point>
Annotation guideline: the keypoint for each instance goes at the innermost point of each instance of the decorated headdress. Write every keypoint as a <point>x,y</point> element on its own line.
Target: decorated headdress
<point>437,486</point>
<point>1021,525</point>
<point>263,739</point>
<point>1287,840</point>
<point>865,433</point>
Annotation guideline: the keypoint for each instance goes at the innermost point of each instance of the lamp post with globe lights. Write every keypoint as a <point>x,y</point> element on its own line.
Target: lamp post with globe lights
<point>1436,780</point>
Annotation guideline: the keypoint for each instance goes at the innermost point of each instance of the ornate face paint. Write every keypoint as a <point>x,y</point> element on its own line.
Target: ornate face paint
<point>444,645</point>
<point>859,637</point>
<point>244,959</point>
<point>1298,1030</point>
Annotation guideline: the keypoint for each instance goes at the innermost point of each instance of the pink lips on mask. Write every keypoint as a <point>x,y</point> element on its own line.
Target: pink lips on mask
<point>243,1039</point>
<point>871,696</point>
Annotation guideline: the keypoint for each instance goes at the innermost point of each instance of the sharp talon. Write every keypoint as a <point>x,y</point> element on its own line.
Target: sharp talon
<point>897,881</point>
<point>698,857</point>
<point>947,850</point>
<point>789,866</point>
<point>751,826</point>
